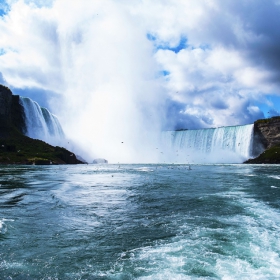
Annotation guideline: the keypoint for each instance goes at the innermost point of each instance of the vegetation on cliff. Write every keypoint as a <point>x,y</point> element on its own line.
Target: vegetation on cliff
<point>268,120</point>
<point>16,148</point>
<point>269,156</point>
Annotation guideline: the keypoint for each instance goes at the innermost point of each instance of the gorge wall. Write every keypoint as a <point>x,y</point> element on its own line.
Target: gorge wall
<point>11,112</point>
<point>267,132</point>
<point>266,142</point>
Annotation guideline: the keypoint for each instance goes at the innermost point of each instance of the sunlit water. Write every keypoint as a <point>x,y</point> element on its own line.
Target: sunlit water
<point>140,222</point>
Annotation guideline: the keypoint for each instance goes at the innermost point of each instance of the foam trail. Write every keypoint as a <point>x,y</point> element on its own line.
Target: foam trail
<point>232,144</point>
<point>40,123</point>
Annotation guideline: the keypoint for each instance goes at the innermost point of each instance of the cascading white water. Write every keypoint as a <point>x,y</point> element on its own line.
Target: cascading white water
<point>232,144</point>
<point>40,123</point>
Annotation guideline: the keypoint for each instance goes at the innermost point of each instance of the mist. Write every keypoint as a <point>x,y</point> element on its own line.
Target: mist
<point>111,101</point>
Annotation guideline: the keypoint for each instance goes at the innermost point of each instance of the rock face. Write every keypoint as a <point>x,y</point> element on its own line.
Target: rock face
<point>5,106</point>
<point>11,111</point>
<point>268,131</point>
<point>18,116</point>
<point>266,141</point>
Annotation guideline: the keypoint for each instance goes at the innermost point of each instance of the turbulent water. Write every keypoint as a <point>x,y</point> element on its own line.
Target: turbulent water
<point>230,144</point>
<point>40,123</point>
<point>140,222</point>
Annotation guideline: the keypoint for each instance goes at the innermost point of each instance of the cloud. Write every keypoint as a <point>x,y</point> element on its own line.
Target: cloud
<point>116,72</point>
<point>231,54</point>
<point>2,81</point>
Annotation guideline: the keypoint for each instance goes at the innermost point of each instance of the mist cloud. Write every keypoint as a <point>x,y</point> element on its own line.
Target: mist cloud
<point>118,72</point>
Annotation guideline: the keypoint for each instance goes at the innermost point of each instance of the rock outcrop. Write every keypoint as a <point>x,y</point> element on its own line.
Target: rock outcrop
<point>268,131</point>
<point>15,147</point>
<point>20,149</point>
<point>5,107</point>
<point>266,141</point>
<point>11,111</point>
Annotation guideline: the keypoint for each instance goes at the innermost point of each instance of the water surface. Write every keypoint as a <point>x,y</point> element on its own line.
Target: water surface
<point>140,222</point>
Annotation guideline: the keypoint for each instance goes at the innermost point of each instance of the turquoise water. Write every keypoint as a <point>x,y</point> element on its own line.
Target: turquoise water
<point>140,222</point>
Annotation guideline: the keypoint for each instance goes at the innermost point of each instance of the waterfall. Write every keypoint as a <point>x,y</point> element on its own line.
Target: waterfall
<point>40,123</point>
<point>231,144</point>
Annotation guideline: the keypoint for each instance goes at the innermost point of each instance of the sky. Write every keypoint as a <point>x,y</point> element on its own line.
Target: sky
<point>122,71</point>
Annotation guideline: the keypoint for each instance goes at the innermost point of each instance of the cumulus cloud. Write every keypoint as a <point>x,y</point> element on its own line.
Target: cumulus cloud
<point>231,55</point>
<point>117,71</point>
<point>2,81</point>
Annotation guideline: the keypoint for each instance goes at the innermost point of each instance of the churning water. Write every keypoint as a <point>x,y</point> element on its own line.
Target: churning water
<point>140,222</point>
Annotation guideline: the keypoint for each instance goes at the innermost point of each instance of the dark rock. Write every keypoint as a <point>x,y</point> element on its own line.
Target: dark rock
<point>11,111</point>
<point>268,131</point>
<point>266,141</point>
<point>5,107</point>
<point>18,115</point>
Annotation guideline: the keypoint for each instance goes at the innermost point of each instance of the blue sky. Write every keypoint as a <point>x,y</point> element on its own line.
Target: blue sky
<point>188,64</point>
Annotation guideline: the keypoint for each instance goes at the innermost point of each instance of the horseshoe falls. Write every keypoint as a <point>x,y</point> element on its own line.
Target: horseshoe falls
<point>231,144</point>
<point>40,123</point>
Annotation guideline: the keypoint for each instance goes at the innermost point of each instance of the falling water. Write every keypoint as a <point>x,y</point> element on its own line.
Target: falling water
<point>40,123</point>
<point>232,144</point>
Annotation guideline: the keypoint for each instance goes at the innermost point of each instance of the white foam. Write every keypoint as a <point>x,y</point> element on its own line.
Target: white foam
<point>144,169</point>
<point>274,177</point>
<point>259,251</point>
<point>249,247</point>
<point>3,226</point>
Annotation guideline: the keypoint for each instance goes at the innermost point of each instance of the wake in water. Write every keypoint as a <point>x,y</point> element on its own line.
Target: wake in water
<point>241,246</point>
<point>144,222</point>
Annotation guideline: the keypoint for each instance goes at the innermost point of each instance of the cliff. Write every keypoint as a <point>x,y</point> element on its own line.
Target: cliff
<point>5,107</point>
<point>11,112</point>
<point>268,131</point>
<point>15,147</point>
<point>266,141</point>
